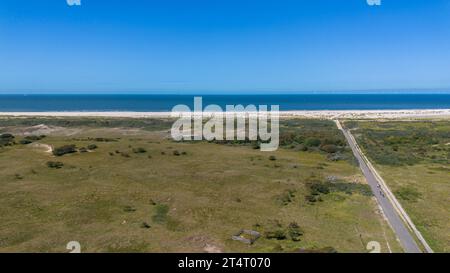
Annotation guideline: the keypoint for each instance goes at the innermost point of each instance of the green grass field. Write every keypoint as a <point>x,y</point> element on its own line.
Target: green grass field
<point>138,191</point>
<point>413,157</point>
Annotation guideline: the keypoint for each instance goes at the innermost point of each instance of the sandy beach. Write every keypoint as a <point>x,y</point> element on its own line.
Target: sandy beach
<point>323,114</point>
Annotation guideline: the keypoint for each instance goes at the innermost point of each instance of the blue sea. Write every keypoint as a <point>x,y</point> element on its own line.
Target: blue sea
<point>162,103</point>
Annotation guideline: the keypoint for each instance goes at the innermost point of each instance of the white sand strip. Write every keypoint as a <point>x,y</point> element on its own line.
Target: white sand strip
<point>351,114</point>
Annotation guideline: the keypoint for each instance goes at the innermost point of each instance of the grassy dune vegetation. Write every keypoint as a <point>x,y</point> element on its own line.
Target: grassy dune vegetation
<point>122,185</point>
<point>414,158</point>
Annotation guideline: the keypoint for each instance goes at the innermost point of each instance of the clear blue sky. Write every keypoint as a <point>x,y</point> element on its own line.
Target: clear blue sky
<point>223,45</point>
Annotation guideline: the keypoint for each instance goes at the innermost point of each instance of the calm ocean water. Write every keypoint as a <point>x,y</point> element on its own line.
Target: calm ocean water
<point>155,103</point>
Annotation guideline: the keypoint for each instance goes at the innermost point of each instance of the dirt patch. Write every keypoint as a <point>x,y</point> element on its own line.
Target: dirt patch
<point>205,243</point>
<point>41,146</point>
<point>212,249</point>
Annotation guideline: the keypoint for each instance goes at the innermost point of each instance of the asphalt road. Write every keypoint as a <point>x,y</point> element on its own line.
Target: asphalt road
<point>399,227</point>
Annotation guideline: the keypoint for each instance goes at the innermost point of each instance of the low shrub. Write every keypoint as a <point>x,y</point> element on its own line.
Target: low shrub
<point>129,209</point>
<point>408,194</point>
<point>295,232</point>
<point>66,149</point>
<point>279,234</point>
<point>275,230</point>
<point>92,146</point>
<point>25,141</point>
<point>6,139</point>
<point>318,188</point>
<point>329,148</point>
<point>139,150</point>
<point>286,197</point>
<point>7,136</point>
<point>312,142</point>
<point>55,164</point>
<point>302,148</point>
<point>35,138</point>
<point>161,213</point>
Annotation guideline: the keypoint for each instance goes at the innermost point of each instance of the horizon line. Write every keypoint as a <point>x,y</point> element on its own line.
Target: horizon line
<point>247,92</point>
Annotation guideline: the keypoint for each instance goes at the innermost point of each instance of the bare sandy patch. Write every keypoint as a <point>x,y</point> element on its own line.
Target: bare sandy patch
<point>42,146</point>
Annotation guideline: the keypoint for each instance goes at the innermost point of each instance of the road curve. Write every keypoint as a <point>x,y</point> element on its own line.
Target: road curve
<point>395,220</point>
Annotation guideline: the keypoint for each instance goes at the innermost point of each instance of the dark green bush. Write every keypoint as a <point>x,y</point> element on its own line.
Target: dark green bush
<point>6,139</point>
<point>25,141</point>
<point>92,146</point>
<point>408,194</point>
<point>139,150</point>
<point>34,138</point>
<point>312,142</point>
<point>295,232</point>
<point>279,234</point>
<point>318,188</point>
<point>18,176</point>
<point>66,149</point>
<point>55,164</point>
<point>7,136</point>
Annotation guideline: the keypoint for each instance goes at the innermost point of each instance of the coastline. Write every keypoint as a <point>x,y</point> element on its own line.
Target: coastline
<point>325,114</point>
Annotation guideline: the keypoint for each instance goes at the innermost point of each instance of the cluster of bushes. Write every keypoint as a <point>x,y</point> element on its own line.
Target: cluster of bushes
<point>311,133</point>
<point>6,139</point>
<point>388,155</point>
<point>399,144</point>
<point>66,149</point>
<point>275,230</point>
<point>303,135</point>
<point>408,194</point>
<point>69,149</point>
<point>329,148</point>
<point>315,135</point>
<point>97,122</point>
<point>31,139</point>
<point>318,188</point>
